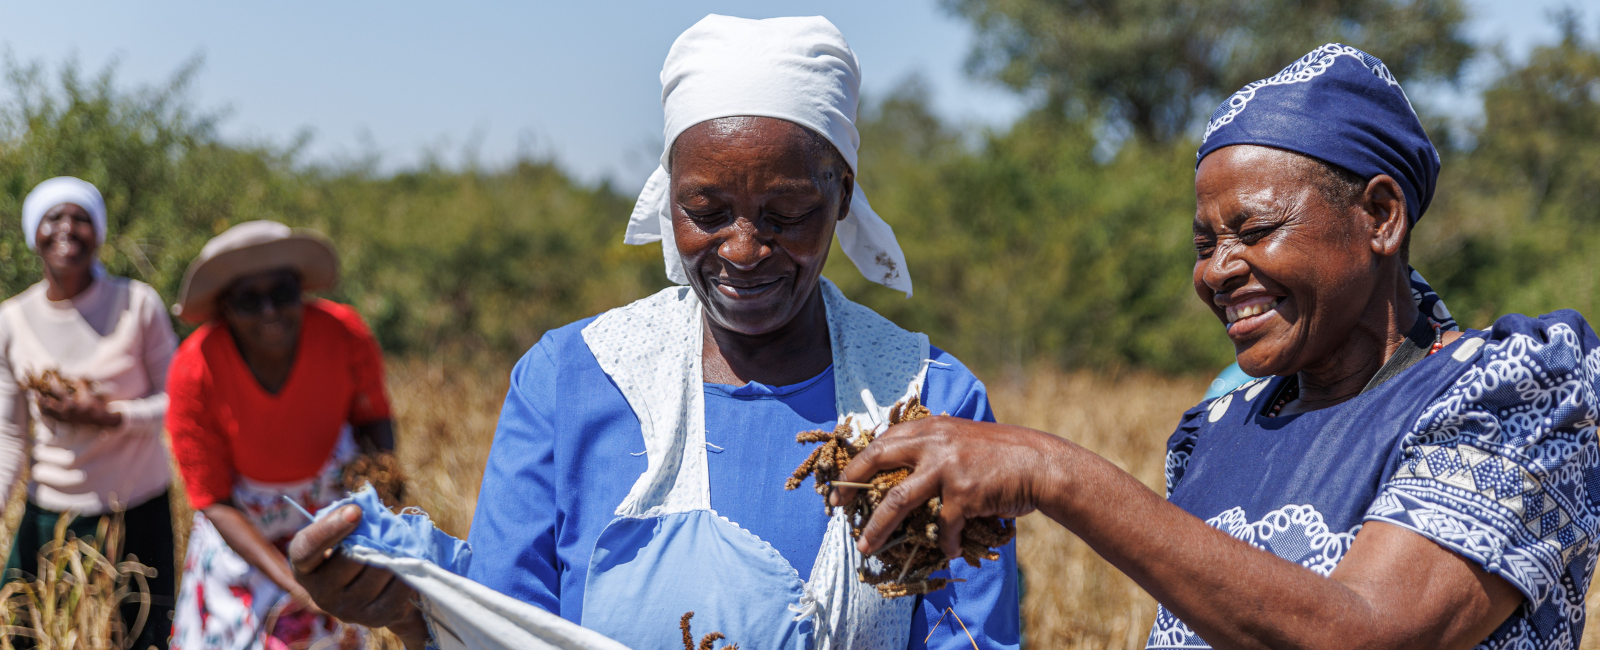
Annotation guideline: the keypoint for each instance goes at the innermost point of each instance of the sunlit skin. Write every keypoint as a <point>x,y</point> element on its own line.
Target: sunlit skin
<point>754,208</point>
<point>755,201</point>
<point>66,244</point>
<point>268,336</point>
<point>1262,230</point>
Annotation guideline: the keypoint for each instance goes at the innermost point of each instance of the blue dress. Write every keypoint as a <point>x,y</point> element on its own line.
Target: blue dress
<point>1487,447</point>
<point>568,449</point>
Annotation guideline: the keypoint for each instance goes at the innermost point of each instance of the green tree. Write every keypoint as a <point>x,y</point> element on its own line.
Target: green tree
<point>438,260</point>
<point>1514,228</point>
<point>1028,250</point>
<point>169,183</point>
<point>1024,245</point>
<point>1155,66</point>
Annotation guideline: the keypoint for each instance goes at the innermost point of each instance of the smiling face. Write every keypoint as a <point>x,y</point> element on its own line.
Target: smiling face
<point>263,311</point>
<point>1288,267</point>
<point>754,205</point>
<point>66,239</point>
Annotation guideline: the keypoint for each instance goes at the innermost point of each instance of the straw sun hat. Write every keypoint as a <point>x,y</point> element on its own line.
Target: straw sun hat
<point>253,247</point>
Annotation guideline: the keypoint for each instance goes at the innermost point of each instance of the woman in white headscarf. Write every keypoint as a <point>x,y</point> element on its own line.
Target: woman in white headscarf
<point>638,469</point>
<point>84,355</point>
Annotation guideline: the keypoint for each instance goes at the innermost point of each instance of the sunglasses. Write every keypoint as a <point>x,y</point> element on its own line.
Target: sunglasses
<point>252,303</point>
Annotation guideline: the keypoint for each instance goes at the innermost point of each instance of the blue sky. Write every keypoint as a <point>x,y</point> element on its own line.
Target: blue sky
<point>576,80</point>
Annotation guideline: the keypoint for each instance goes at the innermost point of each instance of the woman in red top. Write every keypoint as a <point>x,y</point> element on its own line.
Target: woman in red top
<point>268,400</point>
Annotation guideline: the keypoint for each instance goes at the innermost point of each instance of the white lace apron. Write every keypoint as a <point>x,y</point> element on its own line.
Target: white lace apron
<point>651,349</point>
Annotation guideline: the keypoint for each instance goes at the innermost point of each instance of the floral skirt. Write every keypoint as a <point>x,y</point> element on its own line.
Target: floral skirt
<point>226,604</point>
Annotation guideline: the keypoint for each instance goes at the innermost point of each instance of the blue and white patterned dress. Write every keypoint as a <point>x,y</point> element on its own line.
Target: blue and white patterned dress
<point>1487,448</point>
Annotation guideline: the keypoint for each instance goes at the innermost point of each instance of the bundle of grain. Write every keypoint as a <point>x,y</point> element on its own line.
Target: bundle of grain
<point>51,383</point>
<point>382,470</point>
<point>912,553</point>
<point>705,641</point>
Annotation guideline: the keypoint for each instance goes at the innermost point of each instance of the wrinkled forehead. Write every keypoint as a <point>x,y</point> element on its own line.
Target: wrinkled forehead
<point>1245,170</point>
<point>1245,180</point>
<point>764,145</point>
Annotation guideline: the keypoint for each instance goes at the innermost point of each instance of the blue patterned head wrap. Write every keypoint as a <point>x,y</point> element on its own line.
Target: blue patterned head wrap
<point>1339,105</point>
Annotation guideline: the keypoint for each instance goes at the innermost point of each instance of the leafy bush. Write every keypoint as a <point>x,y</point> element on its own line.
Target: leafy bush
<point>1032,245</point>
<point>435,259</point>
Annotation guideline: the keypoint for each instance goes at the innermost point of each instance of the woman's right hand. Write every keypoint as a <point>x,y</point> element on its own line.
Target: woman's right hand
<point>92,411</point>
<point>349,590</point>
<point>976,469</point>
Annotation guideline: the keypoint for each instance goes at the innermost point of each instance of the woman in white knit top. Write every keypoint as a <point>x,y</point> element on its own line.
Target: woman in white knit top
<point>98,449</point>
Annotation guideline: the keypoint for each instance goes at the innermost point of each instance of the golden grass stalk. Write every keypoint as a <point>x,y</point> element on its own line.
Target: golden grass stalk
<point>75,602</point>
<point>446,411</point>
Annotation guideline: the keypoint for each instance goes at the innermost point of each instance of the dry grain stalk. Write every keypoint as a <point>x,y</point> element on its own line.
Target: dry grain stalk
<point>382,470</point>
<point>706,641</point>
<point>51,383</point>
<point>382,639</point>
<point>75,601</point>
<point>912,553</point>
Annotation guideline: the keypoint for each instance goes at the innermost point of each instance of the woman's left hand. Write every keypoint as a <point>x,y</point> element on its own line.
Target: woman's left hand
<point>977,469</point>
<point>92,411</point>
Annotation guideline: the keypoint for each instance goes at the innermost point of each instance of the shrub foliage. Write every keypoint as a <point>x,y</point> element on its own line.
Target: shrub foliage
<point>1029,243</point>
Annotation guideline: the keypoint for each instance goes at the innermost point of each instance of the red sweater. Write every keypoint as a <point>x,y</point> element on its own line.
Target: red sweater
<point>224,425</point>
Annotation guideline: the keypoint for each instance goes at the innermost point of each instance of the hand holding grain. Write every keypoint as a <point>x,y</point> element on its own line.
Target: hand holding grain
<point>349,590</point>
<point>70,400</point>
<point>977,469</point>
<point>91,410</point>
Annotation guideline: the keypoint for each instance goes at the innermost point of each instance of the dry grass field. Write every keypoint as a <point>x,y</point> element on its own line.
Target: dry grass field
<point>1072,599</point>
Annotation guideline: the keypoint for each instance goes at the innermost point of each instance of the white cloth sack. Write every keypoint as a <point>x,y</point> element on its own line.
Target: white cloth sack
<point>465,615</point>
<point>795,69</point>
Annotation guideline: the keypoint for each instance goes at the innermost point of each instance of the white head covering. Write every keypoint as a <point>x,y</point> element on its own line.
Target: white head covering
<point>795,69</point>
<point>59,190</point>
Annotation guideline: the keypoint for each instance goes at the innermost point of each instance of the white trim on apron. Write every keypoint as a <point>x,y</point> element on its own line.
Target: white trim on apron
<point>652,348</point>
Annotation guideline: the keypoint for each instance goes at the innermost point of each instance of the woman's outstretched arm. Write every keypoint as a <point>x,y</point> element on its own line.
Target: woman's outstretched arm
<point>246,540</point>
<point>1395,588</point>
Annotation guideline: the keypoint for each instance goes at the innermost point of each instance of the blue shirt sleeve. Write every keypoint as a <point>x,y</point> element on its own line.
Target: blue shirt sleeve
<point>1181,445</point>
<point>986,605</point>
<point>513,529</point>
<point>1502,468</point>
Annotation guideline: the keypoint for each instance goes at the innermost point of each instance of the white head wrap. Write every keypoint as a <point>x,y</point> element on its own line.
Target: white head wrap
<point>795,69</point>
<point>59,190</point>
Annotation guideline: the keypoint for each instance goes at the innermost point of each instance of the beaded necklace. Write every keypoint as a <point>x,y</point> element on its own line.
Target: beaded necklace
<point>1291,391</point>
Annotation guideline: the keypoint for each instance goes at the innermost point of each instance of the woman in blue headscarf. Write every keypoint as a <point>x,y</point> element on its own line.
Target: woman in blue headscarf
<point>1388,482</point>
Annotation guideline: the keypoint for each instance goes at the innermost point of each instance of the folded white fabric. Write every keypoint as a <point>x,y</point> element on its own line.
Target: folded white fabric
<point>461,614</point>
<point>795,69</point>
<point>465,615</point>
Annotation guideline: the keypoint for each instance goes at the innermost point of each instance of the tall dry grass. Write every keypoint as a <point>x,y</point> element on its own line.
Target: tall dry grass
<point>446,415</point>
<point>73,603</point>
<point>1072,599</point>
